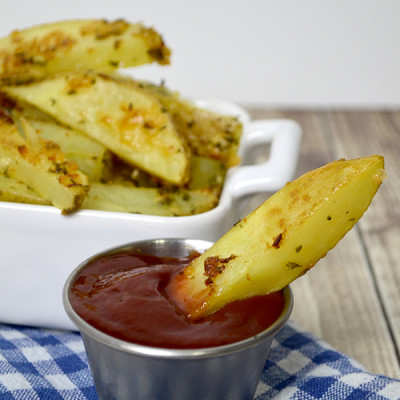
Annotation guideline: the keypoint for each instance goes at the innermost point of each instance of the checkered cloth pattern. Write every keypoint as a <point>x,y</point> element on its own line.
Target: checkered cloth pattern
<point>48,364</point>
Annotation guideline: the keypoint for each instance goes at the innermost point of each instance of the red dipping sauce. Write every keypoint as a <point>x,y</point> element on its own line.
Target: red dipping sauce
<point>124,296</point>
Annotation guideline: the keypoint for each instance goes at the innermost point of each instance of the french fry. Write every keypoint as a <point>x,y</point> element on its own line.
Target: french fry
<point>99,45</point>
<point>282,239</point>
<point>135,192</point>
<point>91,157</point>
<point>40,165</point>
<point>119,193</point>
<point>127,120</point>
<point>135,139</point>
<point>124,197</point>
<point>150,201</point>
<point>18,192</point>
<point>206,173</point>
<point>210,134</point>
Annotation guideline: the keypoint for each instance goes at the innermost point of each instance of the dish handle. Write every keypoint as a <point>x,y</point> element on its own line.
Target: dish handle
<point>283,137</point>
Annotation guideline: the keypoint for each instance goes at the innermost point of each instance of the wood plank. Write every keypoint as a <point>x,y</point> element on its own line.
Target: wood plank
<point>363,133</point>
<point>351,298</point>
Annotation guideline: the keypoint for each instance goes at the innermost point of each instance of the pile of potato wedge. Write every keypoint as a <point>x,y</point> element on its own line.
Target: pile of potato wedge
<point>77,133</point>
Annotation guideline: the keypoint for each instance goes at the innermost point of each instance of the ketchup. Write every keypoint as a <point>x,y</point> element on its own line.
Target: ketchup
<point>124,296</point>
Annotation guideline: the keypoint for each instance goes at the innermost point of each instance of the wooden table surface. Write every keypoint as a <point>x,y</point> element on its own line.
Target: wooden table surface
<point>351,299</point>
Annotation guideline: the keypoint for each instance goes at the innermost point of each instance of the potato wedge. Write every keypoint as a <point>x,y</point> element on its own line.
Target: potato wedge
<point>281,239</point>
<point>210,134</point>
<point>100,45</point>
<point>91,157</point>
<point>149,201</point>
<point>127,120</point>
<point>18,192</point>
<point>40,165</point>
<point>206,173</point>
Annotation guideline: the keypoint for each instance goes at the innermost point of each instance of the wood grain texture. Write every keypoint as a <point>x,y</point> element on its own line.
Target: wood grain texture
<point>351,299</point>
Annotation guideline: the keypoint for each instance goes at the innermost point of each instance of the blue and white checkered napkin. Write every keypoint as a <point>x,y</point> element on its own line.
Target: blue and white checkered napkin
<point>47,364</point>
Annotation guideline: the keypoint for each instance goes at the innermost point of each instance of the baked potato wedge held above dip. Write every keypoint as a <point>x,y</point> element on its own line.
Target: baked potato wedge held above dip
<point>282,239</point>
<point>100,45</point>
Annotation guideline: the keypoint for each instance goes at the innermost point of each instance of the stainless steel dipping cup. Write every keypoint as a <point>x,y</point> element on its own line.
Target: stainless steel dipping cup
<point>127,371</point>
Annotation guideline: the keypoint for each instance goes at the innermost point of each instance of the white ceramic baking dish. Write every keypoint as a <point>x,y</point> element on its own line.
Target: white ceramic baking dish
<point>39,247</point>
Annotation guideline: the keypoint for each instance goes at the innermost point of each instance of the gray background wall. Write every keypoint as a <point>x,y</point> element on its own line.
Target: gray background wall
<point>309,53</point>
